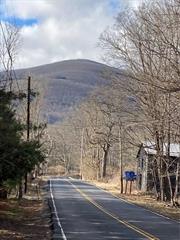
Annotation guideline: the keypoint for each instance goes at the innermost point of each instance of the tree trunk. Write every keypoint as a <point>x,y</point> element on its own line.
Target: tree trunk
<point>155,182</point>
<point>168,160</point>
<point>98,165</point>
<point>3,193</point>
<point>170,188</point>
<point>161,180</point>
<point>121,158</point>
<point>177,184</point>
<point>104,162</point>
<point>159,149</point>
<point>25,183</point>
<point>20,195</point>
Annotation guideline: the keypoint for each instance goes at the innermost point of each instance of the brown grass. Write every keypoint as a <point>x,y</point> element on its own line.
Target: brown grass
<point>24,220</point>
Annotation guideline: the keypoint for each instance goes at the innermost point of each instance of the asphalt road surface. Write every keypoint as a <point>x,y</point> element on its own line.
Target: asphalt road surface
<point>84,212</point>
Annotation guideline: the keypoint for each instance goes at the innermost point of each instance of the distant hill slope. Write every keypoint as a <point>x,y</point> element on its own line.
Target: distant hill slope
<point>67,83</point>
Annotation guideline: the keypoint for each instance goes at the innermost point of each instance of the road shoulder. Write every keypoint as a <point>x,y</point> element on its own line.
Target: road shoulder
<point>142,200</point>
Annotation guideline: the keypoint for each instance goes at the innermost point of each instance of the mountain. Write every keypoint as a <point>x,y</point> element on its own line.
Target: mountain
<point>67,83</point>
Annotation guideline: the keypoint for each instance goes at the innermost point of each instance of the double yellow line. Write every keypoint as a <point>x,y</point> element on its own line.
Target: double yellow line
<point>136,229</point>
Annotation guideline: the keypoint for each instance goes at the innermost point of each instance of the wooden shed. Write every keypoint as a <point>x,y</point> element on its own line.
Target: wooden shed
<point>146,164</point>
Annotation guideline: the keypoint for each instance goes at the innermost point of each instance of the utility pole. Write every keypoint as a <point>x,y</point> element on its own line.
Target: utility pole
<point>121,157</point>
<point>28,123</point>
<point>28,106</point>
<point>81,160</point>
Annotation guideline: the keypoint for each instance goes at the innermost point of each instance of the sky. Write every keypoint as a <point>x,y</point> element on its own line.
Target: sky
<point>56,30</point>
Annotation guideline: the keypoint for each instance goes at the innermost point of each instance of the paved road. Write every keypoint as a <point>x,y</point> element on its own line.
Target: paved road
<point>85,212</point>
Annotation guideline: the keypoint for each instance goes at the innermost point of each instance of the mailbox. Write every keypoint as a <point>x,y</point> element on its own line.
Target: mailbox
<point>130,176</point>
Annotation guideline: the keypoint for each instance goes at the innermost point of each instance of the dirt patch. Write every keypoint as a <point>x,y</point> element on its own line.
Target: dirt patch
<point>24,220</point>
<point>144,200</point>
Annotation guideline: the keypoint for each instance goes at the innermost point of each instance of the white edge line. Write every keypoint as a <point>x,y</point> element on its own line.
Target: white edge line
<point>56,214</point>
<point>134,204</point>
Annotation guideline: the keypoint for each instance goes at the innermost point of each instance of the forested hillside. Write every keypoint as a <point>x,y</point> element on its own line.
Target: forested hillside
<point>66,83</point>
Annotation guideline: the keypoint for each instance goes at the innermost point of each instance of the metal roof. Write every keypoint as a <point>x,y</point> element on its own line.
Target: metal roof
<point>149,147</point>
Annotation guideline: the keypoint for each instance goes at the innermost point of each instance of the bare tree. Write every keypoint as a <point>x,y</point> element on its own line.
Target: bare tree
<point>147,42</point>
<point>9,39</point>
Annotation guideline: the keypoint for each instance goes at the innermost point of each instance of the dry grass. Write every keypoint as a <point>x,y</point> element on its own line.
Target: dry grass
<point>56,170</point>
<point>144,200</point>
<point>24,220</point>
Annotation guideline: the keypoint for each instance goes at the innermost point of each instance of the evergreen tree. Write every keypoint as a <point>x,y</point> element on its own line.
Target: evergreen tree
<point>17,157</point>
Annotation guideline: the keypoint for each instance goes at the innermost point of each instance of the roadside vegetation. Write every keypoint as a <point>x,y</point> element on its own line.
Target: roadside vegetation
<point>22,152</point>
<point>27,219</point>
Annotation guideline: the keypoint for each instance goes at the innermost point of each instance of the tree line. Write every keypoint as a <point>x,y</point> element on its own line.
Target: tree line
<point>18,155</point>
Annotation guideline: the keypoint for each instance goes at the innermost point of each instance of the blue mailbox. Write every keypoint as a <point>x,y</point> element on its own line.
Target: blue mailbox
<point>130,176</point>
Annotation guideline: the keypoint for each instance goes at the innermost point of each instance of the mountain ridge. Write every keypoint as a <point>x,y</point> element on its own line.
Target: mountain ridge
<point>67,83</point>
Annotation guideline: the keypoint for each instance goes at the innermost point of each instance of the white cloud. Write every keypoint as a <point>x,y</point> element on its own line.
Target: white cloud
<point>135,3</point>
<point>66,29</point>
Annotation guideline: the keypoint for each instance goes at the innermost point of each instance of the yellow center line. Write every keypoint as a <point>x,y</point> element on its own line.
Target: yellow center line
<point>127,224</point>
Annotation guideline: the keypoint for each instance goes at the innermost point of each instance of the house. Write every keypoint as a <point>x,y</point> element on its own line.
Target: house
<point>147,165</point>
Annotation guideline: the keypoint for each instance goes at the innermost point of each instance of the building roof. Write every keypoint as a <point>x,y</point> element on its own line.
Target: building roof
<point>149,147</point>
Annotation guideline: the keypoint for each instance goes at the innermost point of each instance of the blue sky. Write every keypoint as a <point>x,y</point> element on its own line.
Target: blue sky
<point>20,22</point>
<point>54,30</point>
<point>113,7</point>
